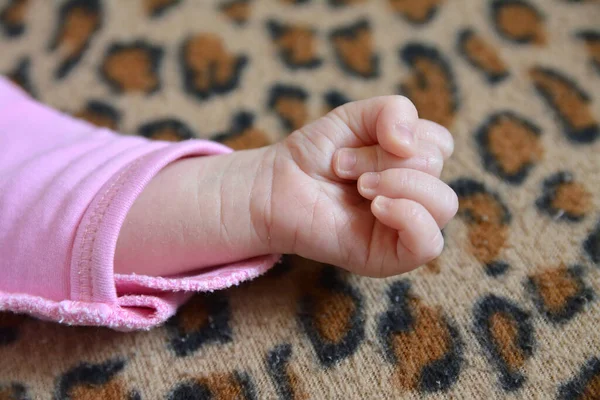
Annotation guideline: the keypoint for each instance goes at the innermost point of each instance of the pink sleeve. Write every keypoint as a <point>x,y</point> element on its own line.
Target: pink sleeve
<point>65,188</point>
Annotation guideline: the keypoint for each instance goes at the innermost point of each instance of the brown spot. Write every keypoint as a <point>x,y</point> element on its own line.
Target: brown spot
<point>112,390</point>
<point>592,389</point>
<point>520,22</point>
<point>428,340</point>
<point>487,232</point>
<point>6,394</point>
<point>299,45</point>
<point>504,332</point>
<point>555,287</point>
<point>433,267</point>
<point>131,69</point>
<point>482,208</point>
<point>102,121</point>
<point>223,386</point>
<point>593,48</point>
<point>354,48</point>
<point>249,139</point>
<point>484,56</point>
<point>416,10</point>
<point>238,11</point>
<point>431,92</point>
<point>99,114</point>
<point>78,26</point>
<point>295,382</point>
<point>513,145</point>
<point>487,240</point>
<point>293,110</point>
<point>166,134</point>
<point>573,198</point>
<point>194,315</point>
<point>333,313</point>
<point>14,13</point>
<point>569,102</point>
<point>209,62</point>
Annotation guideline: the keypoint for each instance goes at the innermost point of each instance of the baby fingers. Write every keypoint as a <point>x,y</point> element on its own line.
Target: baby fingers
<point>419,237</point>
<point>349,163</point>
<point>433,194</point>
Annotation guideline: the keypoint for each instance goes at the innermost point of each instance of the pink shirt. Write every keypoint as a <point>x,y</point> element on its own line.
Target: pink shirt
<point>65,188</point>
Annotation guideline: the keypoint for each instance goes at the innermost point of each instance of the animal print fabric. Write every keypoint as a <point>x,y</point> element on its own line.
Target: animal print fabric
<point>510,309</point>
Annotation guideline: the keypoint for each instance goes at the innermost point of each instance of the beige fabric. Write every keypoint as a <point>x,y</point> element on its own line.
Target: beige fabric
<point>510,310</point>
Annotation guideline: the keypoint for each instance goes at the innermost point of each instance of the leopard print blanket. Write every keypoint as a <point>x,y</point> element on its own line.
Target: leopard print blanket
<point>510,310</point>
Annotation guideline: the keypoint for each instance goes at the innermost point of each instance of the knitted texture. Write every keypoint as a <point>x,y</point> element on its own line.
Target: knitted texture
<point>510,310</point>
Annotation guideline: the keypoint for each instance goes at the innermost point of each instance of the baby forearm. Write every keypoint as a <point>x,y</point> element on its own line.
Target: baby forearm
<point>195,213</point>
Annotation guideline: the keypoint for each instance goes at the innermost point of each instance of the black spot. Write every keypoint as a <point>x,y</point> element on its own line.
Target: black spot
<point>277,30</point>
<point>351,33</point>
<point>150,130</point>
<point>12,28</point>
<point>16,391</point>
<point>510,379</point>
<point>9,331</point>
<point>241,121</point>
<point>398,318</point>
<point>87,374</point>
<point>162,9</point>
<point>436,376</point>
<point>92,6</point>
<point>493,77</point>
<point>154,54</point>
<point>21,76</point>
<point>592,37</point>
<point>338,3</point>
<point>575,388</point>
<point>591,245</point>
<point>238,20</point>
<point>214,87</point>
<point>281,92</point>
<point>277,360</point>
<point>245,382</point>
<point>496,268</point>
<point>574,304</point>
<point>8,335</point>
<point>191,390</point>
<point>465,187</point>
<point>410,55</point>
<point>199,390</point>
<point>334,99</point>
<point>496,7</point>
<point>549,188</point>
<point>101,110</point>
<point>490,160</point>
<point>417,19</point>
<point>587,134</point>
<point>329,353</point>
<point>216,330</point>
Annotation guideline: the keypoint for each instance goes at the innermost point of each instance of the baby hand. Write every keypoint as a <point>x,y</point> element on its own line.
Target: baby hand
<point>359,188</point>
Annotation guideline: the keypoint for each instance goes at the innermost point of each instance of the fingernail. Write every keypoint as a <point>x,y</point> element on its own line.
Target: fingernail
<point>404,135</point>
<point>382,203</point>
<point>369,181</point>
<point>346,160</point>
